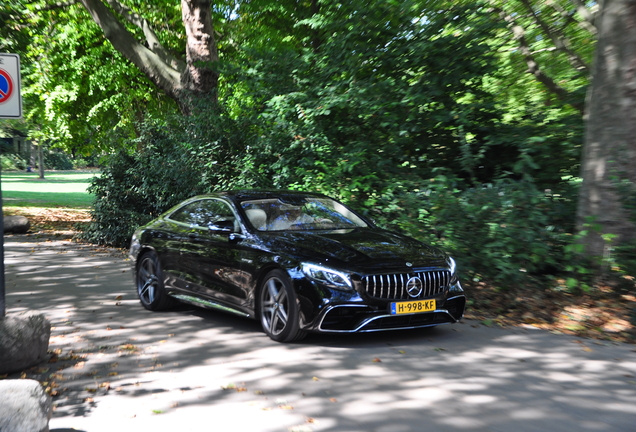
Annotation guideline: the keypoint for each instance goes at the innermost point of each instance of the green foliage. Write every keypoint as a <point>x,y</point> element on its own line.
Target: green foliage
<point>623,259</point>
<point>77,89</point>
<point>80,163</point>
<point>12,162</point>
<point>134,188</point>
<point>180,156</point>
<point>57,160</point>
<point>507,231</point>
<point>421,114</point>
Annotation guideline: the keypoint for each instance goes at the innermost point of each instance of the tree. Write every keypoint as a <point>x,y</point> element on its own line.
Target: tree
<point>607,199</point>
<point>179,79</point>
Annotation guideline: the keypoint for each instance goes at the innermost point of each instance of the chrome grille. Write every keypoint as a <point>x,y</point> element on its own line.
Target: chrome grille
<point>393,286</point>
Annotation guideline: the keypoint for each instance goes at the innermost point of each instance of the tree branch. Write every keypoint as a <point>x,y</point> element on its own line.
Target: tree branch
<point>519,34</point>
<point>587,15</point>
<point>569,18</point>
<point>162,74</point>
<point>151,37</point>
<point>560,42</point>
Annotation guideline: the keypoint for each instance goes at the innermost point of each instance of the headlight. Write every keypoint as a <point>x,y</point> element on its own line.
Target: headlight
<point>452,266</point>
<point>134,245</point>
<point>327,276</point>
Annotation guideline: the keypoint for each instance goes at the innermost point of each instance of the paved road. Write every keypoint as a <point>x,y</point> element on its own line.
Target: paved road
<point>121,368</point>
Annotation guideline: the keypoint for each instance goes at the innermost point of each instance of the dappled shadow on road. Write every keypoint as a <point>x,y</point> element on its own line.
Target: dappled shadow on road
<point>118,365</point>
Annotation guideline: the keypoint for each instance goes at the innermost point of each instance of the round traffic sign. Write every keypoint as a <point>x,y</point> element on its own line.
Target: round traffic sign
<point>6,86</point>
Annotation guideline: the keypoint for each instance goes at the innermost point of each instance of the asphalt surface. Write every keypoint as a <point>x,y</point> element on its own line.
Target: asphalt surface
<point>122,368</point>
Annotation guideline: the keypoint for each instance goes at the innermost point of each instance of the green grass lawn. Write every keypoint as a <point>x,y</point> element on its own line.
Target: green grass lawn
<point>60,189</point>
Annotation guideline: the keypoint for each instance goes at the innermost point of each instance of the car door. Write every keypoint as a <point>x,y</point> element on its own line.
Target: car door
<point>209,259</point>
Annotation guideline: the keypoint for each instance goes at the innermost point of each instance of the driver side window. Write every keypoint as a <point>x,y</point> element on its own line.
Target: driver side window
<point>204,213</point>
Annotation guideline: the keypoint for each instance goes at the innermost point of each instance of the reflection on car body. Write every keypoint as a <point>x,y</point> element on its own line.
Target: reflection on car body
<point>298,262</point>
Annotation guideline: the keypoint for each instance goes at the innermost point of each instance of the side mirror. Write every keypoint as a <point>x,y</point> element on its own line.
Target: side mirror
<point>225,226</point>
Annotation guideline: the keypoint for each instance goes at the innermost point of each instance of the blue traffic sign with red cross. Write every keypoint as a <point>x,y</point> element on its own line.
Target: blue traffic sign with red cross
<point>6,86</point>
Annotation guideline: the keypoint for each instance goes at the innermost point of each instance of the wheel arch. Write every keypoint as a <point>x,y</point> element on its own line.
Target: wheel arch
<point>143,250</point>
<point>260,278</point>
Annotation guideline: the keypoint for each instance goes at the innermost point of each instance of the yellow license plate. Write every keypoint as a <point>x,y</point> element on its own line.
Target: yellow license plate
<point>412,307</point>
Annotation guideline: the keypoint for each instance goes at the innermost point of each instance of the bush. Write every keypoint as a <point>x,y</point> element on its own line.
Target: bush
<point>80,163</point>
<point>180,157</point>
<point>133,189</point>
<point>12,162</point>
<point>506,231</point>
<point>57,160</point>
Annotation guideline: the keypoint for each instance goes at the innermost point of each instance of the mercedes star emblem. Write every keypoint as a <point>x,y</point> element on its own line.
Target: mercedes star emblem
<point>414,287</point>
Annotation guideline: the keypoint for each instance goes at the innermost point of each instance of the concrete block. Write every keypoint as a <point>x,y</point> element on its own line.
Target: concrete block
<point>24,406</point>
<point>24,341</point>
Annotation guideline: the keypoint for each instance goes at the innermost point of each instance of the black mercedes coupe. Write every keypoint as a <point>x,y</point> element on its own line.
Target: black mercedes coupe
<point>298,262</point>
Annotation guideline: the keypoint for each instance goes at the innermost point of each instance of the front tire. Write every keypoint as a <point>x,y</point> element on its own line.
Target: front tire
<point>150,287</point>
<point>279,311</point>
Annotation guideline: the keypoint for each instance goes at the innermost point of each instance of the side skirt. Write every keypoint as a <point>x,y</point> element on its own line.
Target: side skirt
<point>196,301</point>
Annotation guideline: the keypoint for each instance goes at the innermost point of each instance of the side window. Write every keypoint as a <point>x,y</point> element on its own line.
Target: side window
<point>202,213</point>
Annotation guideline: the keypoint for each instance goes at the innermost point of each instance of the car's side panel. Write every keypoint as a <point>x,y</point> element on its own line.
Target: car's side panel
<point>216,266</point>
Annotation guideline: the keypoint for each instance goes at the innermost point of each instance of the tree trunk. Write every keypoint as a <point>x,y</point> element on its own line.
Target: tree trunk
<point>41,161</point>
<point>609,153</point>
<point>200,75</point>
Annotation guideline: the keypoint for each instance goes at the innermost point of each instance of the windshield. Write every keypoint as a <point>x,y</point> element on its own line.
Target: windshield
<point>272,214</point>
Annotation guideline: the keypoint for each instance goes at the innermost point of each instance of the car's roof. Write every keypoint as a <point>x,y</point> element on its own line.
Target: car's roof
<point>256,194</point>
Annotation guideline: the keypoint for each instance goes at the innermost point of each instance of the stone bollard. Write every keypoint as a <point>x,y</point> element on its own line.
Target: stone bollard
<point>16,224</point>
<point>24,341</point>
<point>24,406</point>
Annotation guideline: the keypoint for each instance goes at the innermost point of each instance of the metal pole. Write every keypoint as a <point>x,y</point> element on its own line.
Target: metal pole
<point>3,308</point>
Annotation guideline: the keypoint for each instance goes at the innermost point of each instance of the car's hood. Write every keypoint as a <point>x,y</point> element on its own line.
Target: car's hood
<point>361,247</point>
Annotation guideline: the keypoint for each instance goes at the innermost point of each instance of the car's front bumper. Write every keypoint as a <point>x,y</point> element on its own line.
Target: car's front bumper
<point>351,318</point>
<point>335,311</point>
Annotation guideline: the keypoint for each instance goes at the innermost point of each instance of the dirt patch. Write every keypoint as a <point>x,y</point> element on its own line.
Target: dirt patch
<point>603,313</point>
<point>51,220</point>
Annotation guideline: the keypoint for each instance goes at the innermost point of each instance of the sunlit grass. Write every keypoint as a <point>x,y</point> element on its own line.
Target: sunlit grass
<point>59,189</point>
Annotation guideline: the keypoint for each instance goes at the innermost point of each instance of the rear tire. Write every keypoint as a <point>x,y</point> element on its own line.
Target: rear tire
<point>150,287</point>
<point>279,309</point>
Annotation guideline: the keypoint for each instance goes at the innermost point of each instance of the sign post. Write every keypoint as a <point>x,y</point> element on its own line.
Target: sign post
<point>10,108</point>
